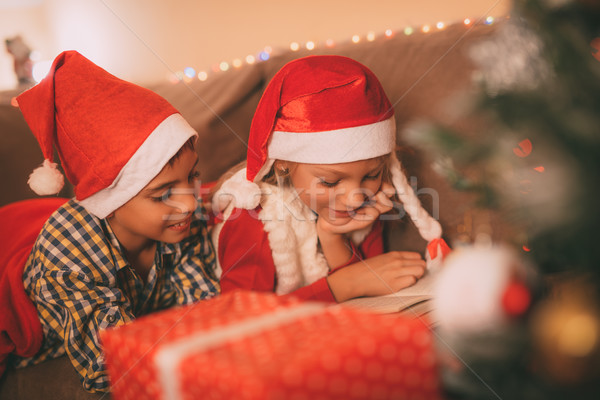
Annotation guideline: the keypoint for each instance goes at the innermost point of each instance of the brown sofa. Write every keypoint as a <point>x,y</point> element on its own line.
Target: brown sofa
<point>424,74</point>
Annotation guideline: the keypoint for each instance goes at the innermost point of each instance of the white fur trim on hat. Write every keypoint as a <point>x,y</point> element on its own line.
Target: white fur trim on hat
<point>336,146</point>
<point>145,164</point>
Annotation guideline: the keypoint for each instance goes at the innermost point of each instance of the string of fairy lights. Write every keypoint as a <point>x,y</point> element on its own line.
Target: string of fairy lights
<point>189,74</point>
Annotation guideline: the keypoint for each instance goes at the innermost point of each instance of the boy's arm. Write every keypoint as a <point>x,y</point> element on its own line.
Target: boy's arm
<point>72,277</point>
<point>77,307</point>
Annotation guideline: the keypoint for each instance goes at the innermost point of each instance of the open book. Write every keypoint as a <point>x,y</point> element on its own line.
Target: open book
<point>413,301</point>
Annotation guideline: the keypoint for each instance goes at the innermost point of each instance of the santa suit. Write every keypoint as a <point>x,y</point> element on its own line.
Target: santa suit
<point>316,110</point>
<point>274,247</point>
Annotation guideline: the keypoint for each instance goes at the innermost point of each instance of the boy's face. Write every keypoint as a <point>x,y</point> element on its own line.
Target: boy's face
<point>161,211</point>
<point>336,191</point>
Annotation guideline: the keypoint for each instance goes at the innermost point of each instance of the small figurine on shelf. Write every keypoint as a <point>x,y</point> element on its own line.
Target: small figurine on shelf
<point>23,65</point>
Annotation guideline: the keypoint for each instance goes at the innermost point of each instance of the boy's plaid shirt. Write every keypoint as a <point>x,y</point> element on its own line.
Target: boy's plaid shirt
<point>80,282</point>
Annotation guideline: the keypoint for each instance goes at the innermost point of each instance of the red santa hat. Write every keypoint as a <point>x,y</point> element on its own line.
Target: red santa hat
<point>323,110</point>
<point>112,137</point>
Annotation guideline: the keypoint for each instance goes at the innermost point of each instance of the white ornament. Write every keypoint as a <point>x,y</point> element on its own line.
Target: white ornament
<point>469,288</point>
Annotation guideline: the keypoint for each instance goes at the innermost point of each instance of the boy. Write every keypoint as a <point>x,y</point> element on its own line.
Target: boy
<point>131,241</point>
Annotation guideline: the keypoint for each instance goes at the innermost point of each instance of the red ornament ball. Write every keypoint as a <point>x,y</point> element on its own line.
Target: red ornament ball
<point>516,299</point>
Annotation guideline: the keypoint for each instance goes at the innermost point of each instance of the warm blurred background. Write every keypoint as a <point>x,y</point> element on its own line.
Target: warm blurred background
<point>497,117</point>
<point>145,41</point>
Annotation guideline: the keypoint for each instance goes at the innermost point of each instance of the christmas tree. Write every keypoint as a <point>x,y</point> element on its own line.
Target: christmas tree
<point>539,160</point>
<point>538,166</point>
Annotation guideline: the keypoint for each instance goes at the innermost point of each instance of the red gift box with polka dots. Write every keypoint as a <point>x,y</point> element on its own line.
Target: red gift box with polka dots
<point>249,345</point>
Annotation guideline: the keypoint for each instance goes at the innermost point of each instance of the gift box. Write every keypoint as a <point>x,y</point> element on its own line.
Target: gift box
<point>250,345</point>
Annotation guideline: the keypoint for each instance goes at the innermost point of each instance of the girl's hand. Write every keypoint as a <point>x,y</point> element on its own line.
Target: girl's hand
<point>380,275</point>
<point>362,217</point>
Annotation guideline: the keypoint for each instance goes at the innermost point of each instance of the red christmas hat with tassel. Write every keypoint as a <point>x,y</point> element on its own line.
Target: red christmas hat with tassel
<point>325,110</point>
<point>112,137</point>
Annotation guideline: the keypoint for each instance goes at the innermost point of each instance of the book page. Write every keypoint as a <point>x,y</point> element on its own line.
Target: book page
<point>420,292</point>
<point>423,287</point>
<point>385,304</point>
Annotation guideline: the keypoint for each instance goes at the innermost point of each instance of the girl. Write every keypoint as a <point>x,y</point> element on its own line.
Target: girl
<point>302,217</point>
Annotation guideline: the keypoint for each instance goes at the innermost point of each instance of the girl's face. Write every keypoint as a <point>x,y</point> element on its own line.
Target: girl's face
<point>336,191</point>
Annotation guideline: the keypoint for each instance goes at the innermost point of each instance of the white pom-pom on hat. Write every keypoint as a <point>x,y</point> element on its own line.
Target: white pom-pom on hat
<point>239,191</point>
<point>47,179</point>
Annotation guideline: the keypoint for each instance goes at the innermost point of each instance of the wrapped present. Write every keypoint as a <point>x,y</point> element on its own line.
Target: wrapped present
<point>249,345</point>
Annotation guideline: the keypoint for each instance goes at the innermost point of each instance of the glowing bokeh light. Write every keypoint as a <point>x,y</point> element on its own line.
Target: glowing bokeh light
<point>578,336</point>
<point>40,69</point>
<point>540,168</point>
<point>189,72</point>
<point>172,78</point>
<point>525,148</point>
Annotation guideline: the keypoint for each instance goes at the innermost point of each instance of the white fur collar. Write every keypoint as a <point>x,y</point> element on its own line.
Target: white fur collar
<point>292,233</point>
